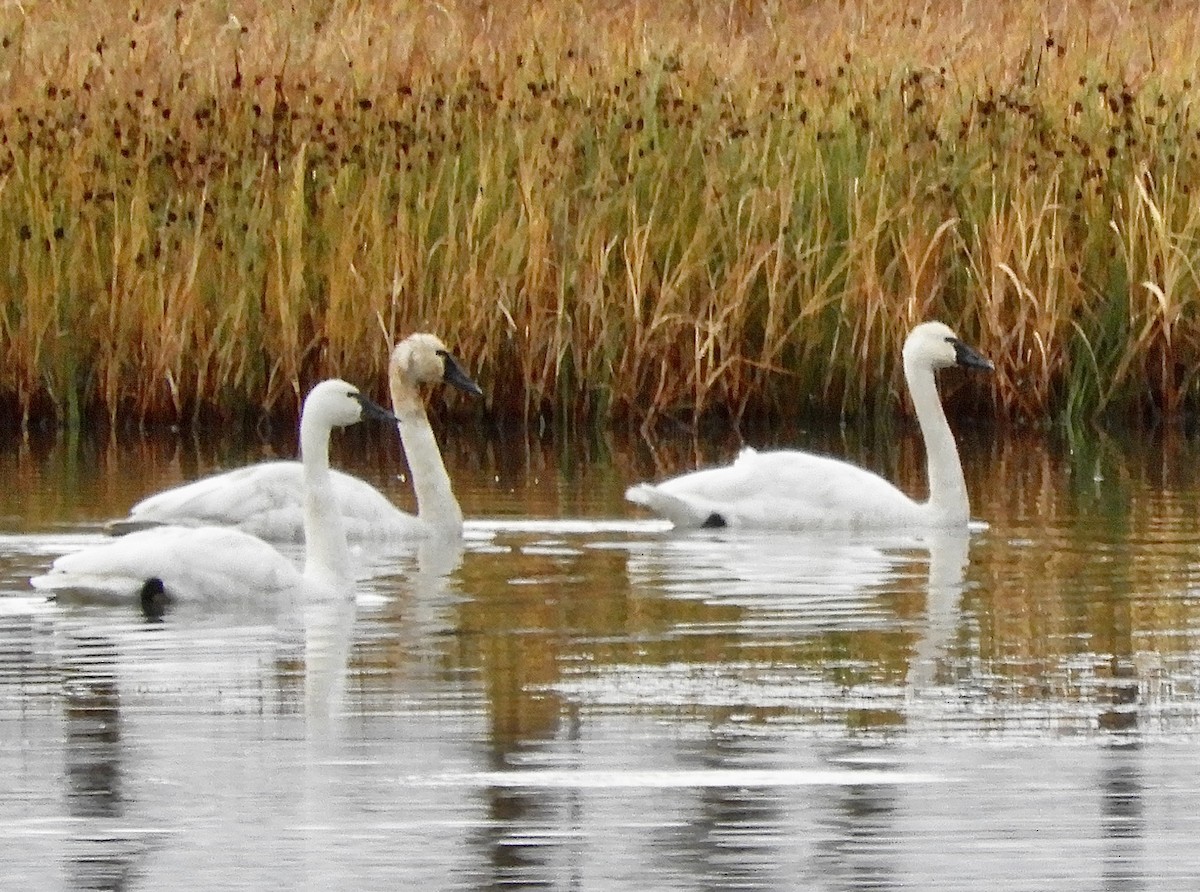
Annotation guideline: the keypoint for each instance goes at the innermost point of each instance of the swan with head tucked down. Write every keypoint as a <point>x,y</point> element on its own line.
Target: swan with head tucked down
<point>222,564</point>
<point>265,499</point>
<point>789,489</point>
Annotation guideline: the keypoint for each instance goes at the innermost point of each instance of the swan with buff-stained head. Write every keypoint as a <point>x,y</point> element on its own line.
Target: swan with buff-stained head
<point>265,499</point>
<point>225,565</point>
<point>790,489</point>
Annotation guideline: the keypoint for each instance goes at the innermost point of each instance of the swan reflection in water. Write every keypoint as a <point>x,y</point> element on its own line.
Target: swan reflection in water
<point>949,555</point>
<point>789,572</point>
<point>790,588</point>
<point>421,577</point>
<point>328,638</point>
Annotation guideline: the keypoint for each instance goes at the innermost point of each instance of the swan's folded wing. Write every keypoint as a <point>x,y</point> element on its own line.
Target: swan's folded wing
<point>783,489</point>
<point>194,564</point>
<point>369,514</point>
<point>248,498</point>
<point>708,497</point>
<point>821,480</point>
<point>267,500</point>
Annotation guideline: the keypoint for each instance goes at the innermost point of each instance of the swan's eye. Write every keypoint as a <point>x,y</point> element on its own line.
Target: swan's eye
<point>442,353</point>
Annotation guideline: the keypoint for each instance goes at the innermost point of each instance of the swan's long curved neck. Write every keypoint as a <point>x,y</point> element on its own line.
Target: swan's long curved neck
<point>326,555</point>
<point>436,504</point>
<point>947,487</point>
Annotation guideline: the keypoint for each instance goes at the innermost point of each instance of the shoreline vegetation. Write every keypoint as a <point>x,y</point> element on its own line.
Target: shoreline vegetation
<point>612,211</point>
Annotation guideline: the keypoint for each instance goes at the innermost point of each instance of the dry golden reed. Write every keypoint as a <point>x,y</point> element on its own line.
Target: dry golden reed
<point>613,210</point>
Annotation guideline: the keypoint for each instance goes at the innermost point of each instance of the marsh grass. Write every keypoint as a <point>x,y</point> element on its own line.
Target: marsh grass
<point>611,211</point>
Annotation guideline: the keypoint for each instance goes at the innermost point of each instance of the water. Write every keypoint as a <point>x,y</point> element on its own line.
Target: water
<point>577,698</point>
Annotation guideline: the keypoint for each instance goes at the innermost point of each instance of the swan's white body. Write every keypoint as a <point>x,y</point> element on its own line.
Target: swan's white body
<point>222,564</point>
<point>790,489</point>
<point>195,564</point>
<point>265,499</point>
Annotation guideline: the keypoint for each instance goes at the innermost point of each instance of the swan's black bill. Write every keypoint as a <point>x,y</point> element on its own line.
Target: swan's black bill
<point>455,374</point>
<point>374,411</point>
<point>969,357</point>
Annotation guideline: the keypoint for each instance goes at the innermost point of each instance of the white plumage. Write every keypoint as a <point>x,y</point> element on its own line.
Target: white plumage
<point>265,499</point>
<point>790,489</point>
<point>222,564</point>
<point>193,564</point>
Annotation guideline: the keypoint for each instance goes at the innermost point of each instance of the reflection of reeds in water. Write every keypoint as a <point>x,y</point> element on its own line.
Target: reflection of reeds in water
<point>616,212</point>
<point>1085,585</point>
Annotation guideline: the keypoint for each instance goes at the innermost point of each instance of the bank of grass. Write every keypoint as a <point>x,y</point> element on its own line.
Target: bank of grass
<point>612,210</point>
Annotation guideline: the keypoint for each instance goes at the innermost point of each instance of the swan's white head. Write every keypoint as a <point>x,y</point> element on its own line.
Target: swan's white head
<point>934,345</point>
<point>423,359</point>
<point>334,403</point>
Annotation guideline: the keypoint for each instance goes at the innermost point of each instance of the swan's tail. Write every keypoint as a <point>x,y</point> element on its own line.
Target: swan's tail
<point>96,587</point>
<point>126,525</point>
<point>679,511</point>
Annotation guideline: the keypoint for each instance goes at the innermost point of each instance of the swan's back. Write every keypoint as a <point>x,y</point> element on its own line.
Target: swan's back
<point>784,489</point>
<point>208,564</point>
<point>266,500</point>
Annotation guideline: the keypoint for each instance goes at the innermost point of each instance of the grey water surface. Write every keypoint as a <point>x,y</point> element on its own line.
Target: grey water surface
<point>579,698</point>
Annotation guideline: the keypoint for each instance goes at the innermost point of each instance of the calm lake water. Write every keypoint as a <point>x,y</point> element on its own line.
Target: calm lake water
<point>578,698</point>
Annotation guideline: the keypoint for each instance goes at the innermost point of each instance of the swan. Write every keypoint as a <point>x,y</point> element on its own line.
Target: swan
<point>790,489</point>
<point>265,499</point>
<point>213,564</point>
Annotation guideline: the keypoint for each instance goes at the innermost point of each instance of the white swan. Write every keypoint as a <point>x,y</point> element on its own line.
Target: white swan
<point>214,564</point>
<point>265,499</point>
<point>789,489</point>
